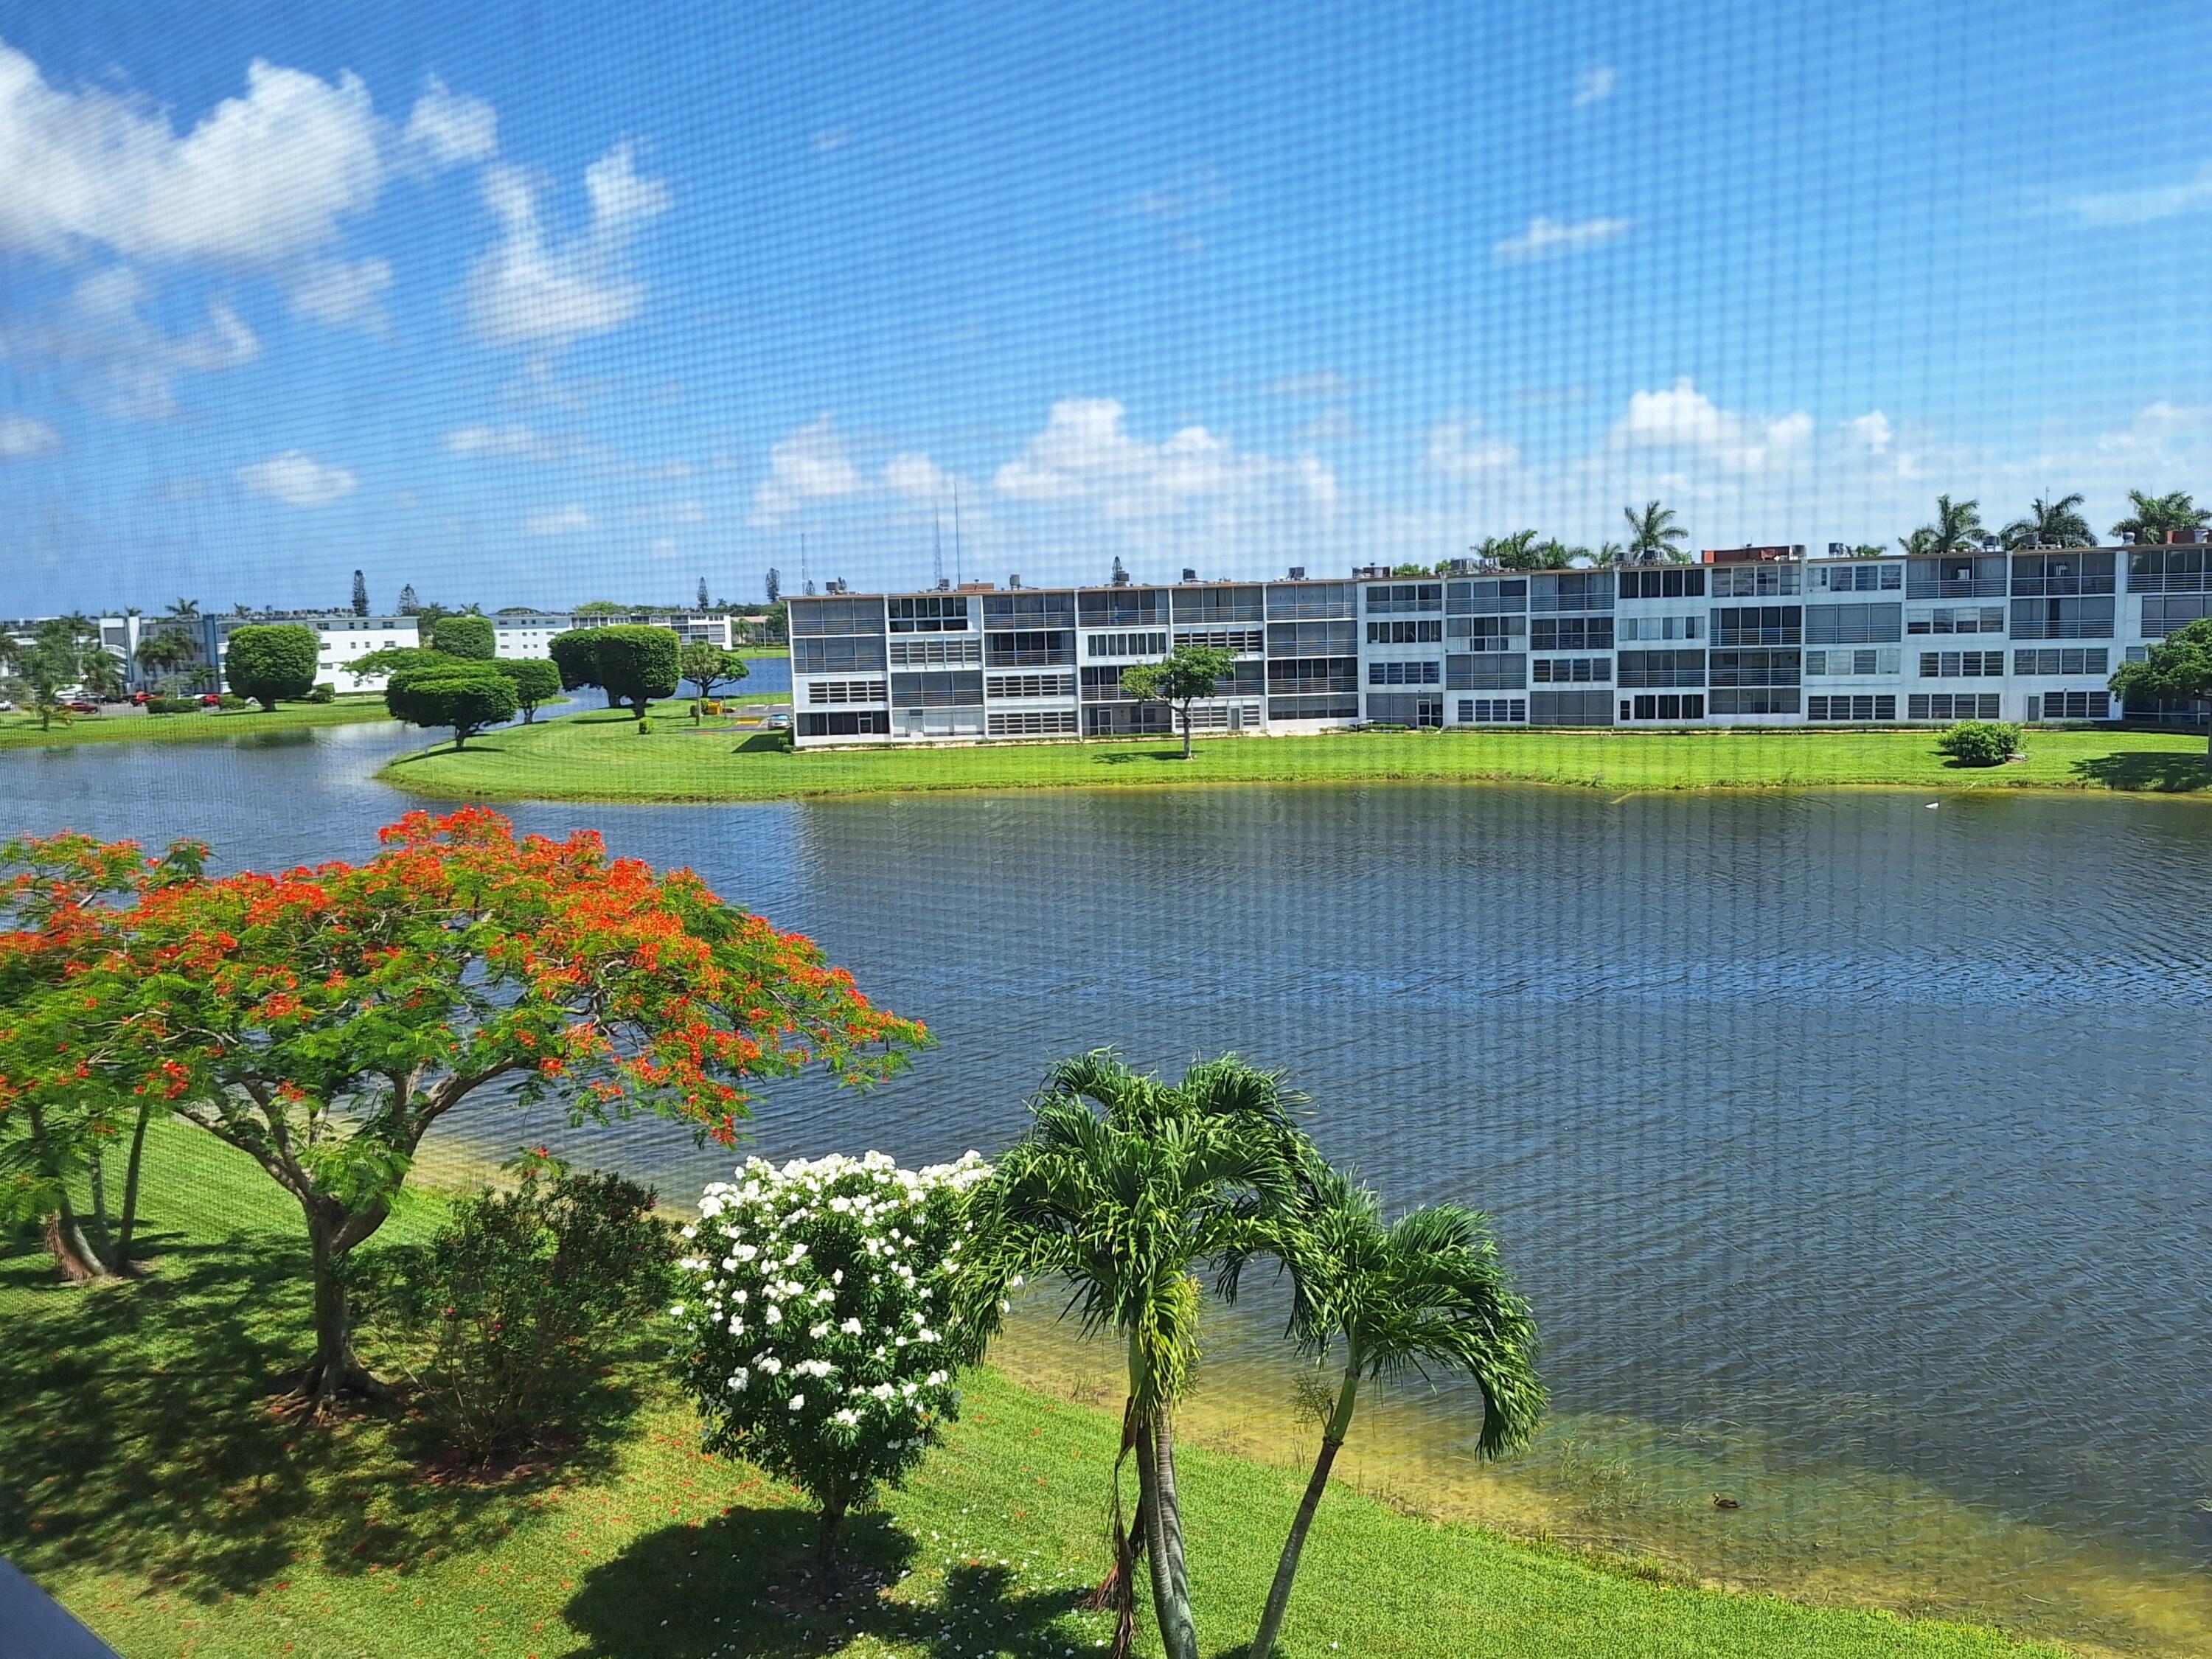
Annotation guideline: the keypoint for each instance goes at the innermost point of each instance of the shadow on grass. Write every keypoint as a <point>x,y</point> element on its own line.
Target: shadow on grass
<point>764,743</point>
<point>1127,756</point>
<point>2157,771</point>
<point>142,1432</point>
<point>748,1583</point>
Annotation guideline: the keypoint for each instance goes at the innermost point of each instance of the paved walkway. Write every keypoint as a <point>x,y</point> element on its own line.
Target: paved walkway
<point>34,1626</point>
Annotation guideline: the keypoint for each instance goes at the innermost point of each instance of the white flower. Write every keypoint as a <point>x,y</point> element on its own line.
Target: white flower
<point>799,1402</point>
<point>851,1419</point>
<point>774,1315</point>
<point>771,1365</point>
<point>851,1327</point>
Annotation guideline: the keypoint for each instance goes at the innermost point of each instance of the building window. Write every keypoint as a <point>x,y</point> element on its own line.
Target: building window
<point>1125,645</point>
<point>855,654</point>
<point>1029,685</point>
<point>1029,610</point>
<point>1571,670</point>
<point>1869,578</point>
<point>1857,661</point>
<point>1859,710</point>
<point>1033,723</point>
<point>2166,570</point>
<point>1661,628</point>
<point>936,690</point>
<point>1301,601</point>
<point>1744,668</point>
<point>1959,619</point>
<point>1641,670</point>
<point>1486,599</point>
<point>2061,619</point>
<point>1403,599</point>
<point>1755,581</point>
<point>1570,634</point>
<point>2165,614</point>
<point>1490,671</point>
<point>837,617</point>
<point>848,691</point>
<point>1570,708</point>
<point>1758,624</point>
<point>1123,607</point>
<point>857,723</point>
<point>936,653</point>
<point>1313,708</point>
<point>1571,590</point>
<point>1405,673</point>
<point>1312,675</point>
<point>1488,633</point>
<point>2085,659</point>
<point>1241,640</point>
<point>1961,664</point>
<point>1426,632</point>
<point>1669,582</point>
<point>2072,571</point>
<point>1313,639</point>
<point>1404,708</point>
<point>1493,711</point>
<point>1219,605</point>
<point>1754,703</point>
<point>1664,706</point>
<point>1956,576</point>
<point>1952,706</point>
<point>1853,624</point>
<point>2069,706</point>
<point>1039,648</point>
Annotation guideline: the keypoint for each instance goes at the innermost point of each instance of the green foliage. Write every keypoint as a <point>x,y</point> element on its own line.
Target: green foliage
<point>535,681</point>
<point>59,654</point>
<point>633,664</point>
<point>325,692</point>
<point>229,701</point>
<point>575,657</point>
<point>1980,742</point>
<point>1652,533</point>
<point>827,1317</point>
<point>172,705</point>
<point>1957,528</point>
<point>2176,669</point>
<point>2156,517</point>
<point>393,658</point>
<point>707,665</point>
<point>468,637</point>
<point>510,1304</point>
<point>464,695</point>
<point>1521,550</point>
<point>2050,524</point>
<point>1180,679</point>
<point>268,660</point>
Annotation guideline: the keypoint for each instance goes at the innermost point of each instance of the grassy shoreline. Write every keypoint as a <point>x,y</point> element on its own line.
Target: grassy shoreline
<point>601,756</point>
<point>21,730</point>
<point>146,1481</point>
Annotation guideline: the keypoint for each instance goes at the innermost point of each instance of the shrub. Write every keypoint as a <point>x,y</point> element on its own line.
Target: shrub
<point>644,726</point>
<point>822,1320</point>
<point>464,695</point>
<point>268,660</point>
<point>1980,742</point>
<point>468,637</point>
<point>172,705</point>
<point>535,681</point>
<point>230,700</point>
<point>324,692</point>
<point>634,664</point>
<point>513,1306</point>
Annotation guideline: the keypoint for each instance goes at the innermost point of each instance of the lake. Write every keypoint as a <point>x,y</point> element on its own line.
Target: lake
<point>1852,1153</point>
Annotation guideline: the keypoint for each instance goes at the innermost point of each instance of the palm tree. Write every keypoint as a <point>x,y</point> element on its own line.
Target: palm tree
<point>2156,516</point>
<point>1424,1293</point>
<point>1120,1186</point>
<point>1958,526</point>
<point>2050,524</point>
<point>183,610</point>
<point>1652,533</point>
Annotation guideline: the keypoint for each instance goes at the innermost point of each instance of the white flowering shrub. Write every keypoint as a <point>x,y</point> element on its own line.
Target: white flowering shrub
<point>823,1319</point>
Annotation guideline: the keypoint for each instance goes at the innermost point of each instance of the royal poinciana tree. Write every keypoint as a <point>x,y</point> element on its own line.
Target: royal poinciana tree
<point>322,1020</point>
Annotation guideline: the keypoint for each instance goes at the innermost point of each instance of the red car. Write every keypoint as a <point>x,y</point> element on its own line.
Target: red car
<point>83,706</point>
<point>212,701</point>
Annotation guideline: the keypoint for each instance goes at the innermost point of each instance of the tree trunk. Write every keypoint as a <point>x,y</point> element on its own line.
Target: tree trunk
<point>127,1226</point>
<point>1287,1569</point>
<point>1186,731</point>
<point>95,1176</point>
<point>74,1257</point>
<point>337,1370</point>
<point>1162,1519</point>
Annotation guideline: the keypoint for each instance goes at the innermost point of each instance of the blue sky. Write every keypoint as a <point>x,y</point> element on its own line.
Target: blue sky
<point>533,304</point>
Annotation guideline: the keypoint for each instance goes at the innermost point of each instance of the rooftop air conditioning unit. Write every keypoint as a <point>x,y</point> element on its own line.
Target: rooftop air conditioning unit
<point>1188,575</point>
<point>1013,581</point>
<point>1838,550</point>
<point>835,585</point>
<point>945,584</point>
<point>1297,573</point>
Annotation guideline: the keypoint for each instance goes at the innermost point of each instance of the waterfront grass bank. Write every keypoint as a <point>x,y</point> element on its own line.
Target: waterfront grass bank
<point>150,1483</point>
<point>21,730</point>
<point>602,756</point>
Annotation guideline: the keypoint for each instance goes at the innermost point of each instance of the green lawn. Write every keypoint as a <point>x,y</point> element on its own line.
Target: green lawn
<point>602,756</point>
<point>148,1480</point>
<point>21,730</point>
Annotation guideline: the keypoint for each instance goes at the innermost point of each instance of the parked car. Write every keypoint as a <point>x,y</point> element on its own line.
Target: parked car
<point>81,706</point>
<point>211,699</point>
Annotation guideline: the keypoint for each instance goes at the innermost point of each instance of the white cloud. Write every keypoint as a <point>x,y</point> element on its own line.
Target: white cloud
<point>534,287</point>
<point>2146,205</point>
<point>503,442</point>
<point>1546,237</point>
<point>119,361</point>
<point>835,138</point>
<point>811,465</point>
<point>1457,448</point>
<point>446,129</point>
<point>261,179</point>
<point>1871,432</point>
<point>24,439</point>
<point>1084,453</point>
<point>1192,191</point>
<point>560,521</point>
<point>298,480</point>
<point>334,292</point>
<point>1685,418</point>
<point>917,478</point>
<point>1332,426</point>
<point>1594,85</point>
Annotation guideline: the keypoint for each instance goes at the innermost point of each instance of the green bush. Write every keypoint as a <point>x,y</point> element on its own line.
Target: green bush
<point>535,681</point>
<point>325,692</point>
<point>464,695</point>
<point>172,705</point>
<point>634,664</point>
<point>574,656</point>
<point>1980,742</point>
<point>268,660</point>
<point>468,637</point>
<point>512,1308</point>
<point>644,725</point>
<point>230,700</point>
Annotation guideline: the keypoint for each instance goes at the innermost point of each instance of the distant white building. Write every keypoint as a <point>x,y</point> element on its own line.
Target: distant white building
<point>531,633</point>
<point>340,638</point>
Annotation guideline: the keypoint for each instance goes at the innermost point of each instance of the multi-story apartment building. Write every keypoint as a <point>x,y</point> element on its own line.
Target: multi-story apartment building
<point>1749,636</point>
<point>530,633</point>
<point>340,637</point>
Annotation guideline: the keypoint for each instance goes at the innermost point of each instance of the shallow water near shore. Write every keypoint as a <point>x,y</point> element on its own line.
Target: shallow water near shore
<point>1851,1152</point>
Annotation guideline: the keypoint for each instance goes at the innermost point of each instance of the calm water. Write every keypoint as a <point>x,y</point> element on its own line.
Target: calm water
<point>1835,1139</point>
